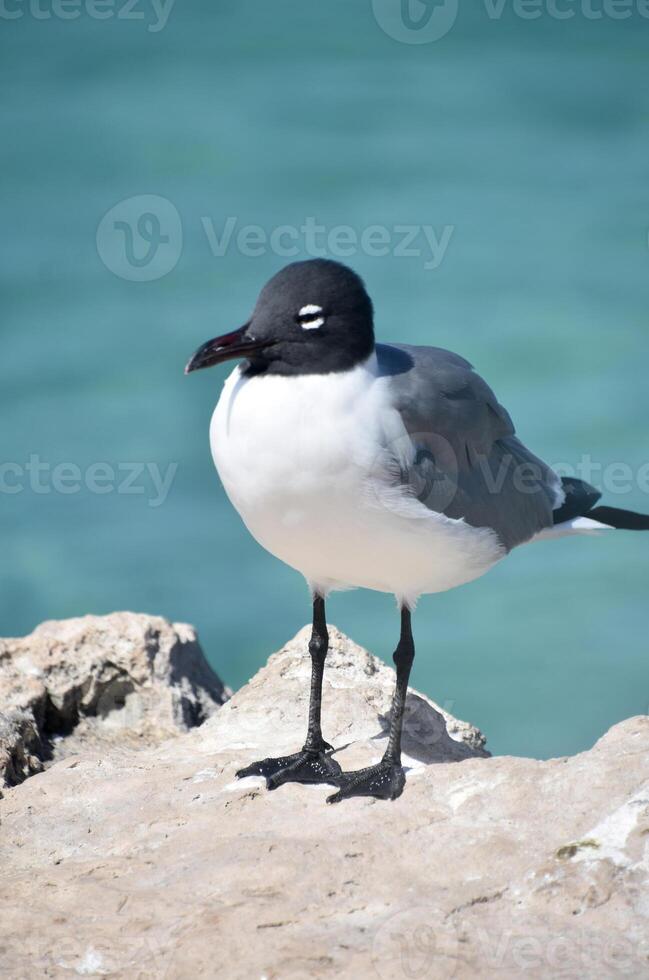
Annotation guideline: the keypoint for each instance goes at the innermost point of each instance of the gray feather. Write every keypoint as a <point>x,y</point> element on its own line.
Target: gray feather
<point>469,463</point>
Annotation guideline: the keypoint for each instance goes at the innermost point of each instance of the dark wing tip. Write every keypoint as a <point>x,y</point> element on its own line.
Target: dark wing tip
<point>580,499</point>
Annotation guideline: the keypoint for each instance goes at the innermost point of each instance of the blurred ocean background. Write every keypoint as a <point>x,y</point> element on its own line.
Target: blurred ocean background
<point>529,139</point>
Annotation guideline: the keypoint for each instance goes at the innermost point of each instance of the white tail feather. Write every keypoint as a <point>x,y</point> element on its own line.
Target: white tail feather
<point>578,525</point>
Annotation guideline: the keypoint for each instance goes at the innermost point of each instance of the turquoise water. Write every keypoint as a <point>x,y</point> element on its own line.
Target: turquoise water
<point>527,138</point>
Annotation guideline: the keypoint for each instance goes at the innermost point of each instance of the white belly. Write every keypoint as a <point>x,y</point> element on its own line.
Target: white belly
<point>303,461</point>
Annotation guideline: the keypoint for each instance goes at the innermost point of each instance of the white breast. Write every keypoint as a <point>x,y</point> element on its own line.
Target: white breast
<point>308,463</point>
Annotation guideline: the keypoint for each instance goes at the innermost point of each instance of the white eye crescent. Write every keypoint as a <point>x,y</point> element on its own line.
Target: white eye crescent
<point>310,317</point>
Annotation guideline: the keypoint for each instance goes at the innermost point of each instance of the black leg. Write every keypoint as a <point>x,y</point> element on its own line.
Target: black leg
<point>386,780</point>
<point>318,648</point>
<point>312,764</point>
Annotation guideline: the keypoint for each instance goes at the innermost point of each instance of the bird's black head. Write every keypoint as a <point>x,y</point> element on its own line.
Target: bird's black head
<point>313,317</point>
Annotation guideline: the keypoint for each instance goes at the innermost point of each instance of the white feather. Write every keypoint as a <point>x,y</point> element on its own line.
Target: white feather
<point>313,324</point>
<point>313,311</point>
<point>578,525</point>
<point>305,461</point>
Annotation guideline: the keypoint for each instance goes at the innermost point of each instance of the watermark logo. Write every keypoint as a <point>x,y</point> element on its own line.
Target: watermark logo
<point>413,944</point>
<point>568,9</point>
<point>424,21</point>
<point>148,480</point>
<point>155,13</point>
<point>414,469</point>
<point>415,21</point>
<point>423,242</point>
<point>422,468</point>
<point>141,238</point>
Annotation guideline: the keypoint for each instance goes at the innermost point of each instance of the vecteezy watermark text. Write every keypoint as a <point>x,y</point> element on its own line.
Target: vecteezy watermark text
<point>340,241</point>
<point>42,477</point>
<point>425,467</point>
<point>154,12</point>
<point>141,239</point>
<point>424,21</point>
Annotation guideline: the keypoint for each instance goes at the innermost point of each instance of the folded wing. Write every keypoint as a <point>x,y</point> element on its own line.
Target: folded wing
<point>465,460</point>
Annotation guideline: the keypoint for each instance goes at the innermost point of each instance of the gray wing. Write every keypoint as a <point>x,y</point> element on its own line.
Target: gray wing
<point>467,460</point>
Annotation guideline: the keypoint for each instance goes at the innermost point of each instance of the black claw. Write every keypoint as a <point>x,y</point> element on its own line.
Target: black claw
<point>301,767</point>
<point>385,781</point>
<point>266,767</point>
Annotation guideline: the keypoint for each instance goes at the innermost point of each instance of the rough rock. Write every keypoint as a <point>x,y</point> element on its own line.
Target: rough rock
<point>99,678</point>
<point>357,695</point>
<point>156,862</point>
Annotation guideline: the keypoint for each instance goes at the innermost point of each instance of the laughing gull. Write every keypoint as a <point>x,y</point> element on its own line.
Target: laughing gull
<point>378,466</point>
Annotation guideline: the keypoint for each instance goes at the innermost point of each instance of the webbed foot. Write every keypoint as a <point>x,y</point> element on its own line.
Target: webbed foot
<point>384,781</point>
<point>305,766</point>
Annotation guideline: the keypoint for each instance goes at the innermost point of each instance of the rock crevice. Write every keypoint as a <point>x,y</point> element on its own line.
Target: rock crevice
<point>94,678</point>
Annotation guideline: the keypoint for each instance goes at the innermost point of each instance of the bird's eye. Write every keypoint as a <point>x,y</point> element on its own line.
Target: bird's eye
<point>311,317</point>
